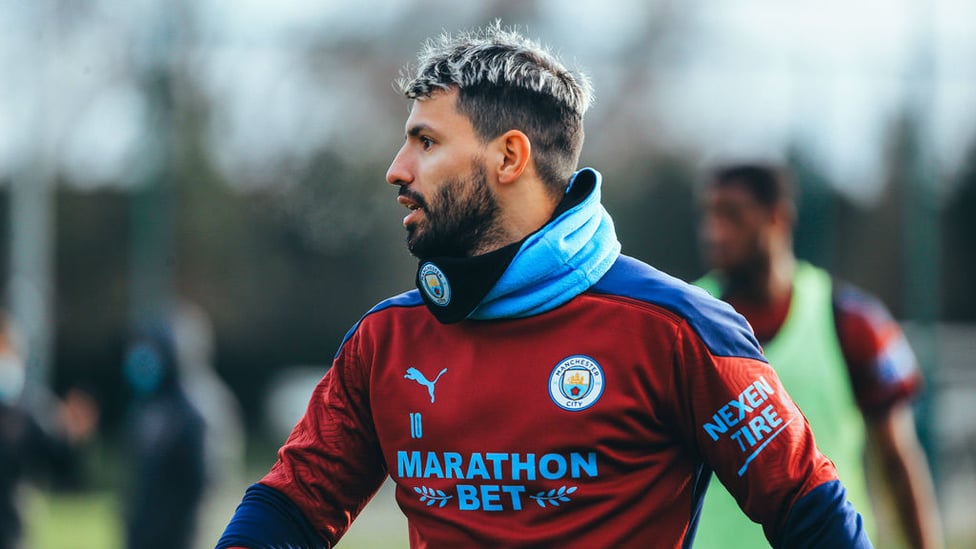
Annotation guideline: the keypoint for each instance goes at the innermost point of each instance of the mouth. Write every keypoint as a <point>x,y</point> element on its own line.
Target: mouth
<point>408,203</point>
<point>415,209</point>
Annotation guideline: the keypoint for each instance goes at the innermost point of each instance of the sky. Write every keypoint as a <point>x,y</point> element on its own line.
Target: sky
<point>727,77</point>
<point>832,74</point>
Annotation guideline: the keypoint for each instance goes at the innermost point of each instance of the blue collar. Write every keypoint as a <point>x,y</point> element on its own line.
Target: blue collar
<point>558,262</point>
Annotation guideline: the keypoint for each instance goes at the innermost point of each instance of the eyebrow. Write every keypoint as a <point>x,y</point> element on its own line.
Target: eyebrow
<point>416,130</point>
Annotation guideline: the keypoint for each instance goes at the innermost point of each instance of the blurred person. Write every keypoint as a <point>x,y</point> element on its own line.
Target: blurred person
<point>224,437</point>
<point>34,442</point>
<point>538,388</point>
<point>836,349</point>
<point>168,470</point>
<point>218,406</point>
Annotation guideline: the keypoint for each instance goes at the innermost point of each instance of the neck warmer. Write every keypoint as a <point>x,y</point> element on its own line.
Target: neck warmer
<point>572,251</point>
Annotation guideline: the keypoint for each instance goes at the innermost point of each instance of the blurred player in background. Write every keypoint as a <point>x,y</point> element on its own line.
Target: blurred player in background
<point>224,436</point>
<point>39,438</point>
<point>836,349</point>
<point>168,462</point>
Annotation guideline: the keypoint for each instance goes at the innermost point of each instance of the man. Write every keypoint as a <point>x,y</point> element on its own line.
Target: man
<point>167,440</point>
<point>538,389</point>
<point>837,351</point>
<point>40,439</point>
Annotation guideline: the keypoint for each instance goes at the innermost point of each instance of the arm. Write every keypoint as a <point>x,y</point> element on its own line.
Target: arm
<point>885,377</point>
<point>266,518</point>
<point>750,433</point>
<point>56,432</point>
<point>894,447</point>
<point>326,472</point>
<point>824,518</point>
<point>772,467</point>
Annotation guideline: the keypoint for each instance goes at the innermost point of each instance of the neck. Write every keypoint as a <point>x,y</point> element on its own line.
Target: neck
<point>768,281</point>
<point>525,207</point>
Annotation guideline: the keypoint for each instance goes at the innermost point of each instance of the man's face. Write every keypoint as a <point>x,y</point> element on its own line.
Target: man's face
<point>735,228</point>
<point>443,181</point>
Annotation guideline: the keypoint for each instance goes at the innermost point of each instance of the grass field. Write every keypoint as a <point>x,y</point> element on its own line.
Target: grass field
<point>91,520</point>
<point>85,520</point>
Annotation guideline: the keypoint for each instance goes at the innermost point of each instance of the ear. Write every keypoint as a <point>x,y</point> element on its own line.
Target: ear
<point>515,150</point>
<point>784,216</point>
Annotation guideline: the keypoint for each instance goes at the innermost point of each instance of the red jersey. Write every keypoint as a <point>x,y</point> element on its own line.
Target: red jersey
<point>510,433</point>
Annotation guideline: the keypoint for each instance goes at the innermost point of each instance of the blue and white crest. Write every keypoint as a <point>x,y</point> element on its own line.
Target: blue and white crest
<point>434,284</point>
<point>576,383</point>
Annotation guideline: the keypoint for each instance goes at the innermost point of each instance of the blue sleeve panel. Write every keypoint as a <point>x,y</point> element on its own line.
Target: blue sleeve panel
<point>266,519</point>
<point>824,518</point>
<point>703,476</point>
<point>722,329</point>
<point>406,299</point>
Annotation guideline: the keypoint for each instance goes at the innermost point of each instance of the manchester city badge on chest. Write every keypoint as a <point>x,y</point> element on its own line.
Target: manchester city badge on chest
<point>576,383</point>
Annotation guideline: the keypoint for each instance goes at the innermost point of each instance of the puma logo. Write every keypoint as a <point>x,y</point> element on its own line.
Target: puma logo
<point>418,376</point>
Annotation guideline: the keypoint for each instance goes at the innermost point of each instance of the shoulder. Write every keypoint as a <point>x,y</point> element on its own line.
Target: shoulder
<point>724,331</point>
<point>863,322</point>
<point>407,300</point>
<point>852,301</point>
<point>880,360</point>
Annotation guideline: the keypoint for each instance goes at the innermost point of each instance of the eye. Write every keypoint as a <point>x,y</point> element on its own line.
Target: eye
<point>426,142</point>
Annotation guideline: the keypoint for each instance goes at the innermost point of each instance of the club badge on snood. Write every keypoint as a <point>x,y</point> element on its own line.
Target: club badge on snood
<point>452,287</point>
<point>434,284</point>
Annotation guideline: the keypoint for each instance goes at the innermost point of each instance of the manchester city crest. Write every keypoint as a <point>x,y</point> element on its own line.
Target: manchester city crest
<point>576,383</point>
<point>434,284</point>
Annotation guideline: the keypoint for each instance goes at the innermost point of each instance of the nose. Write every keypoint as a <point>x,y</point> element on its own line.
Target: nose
<point>399,172</point>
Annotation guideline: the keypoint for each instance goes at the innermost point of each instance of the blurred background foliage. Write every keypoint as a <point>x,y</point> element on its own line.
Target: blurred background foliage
<point>234,153</point>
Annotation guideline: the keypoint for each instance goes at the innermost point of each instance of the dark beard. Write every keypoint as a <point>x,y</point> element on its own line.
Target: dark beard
<point>459,218</point>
